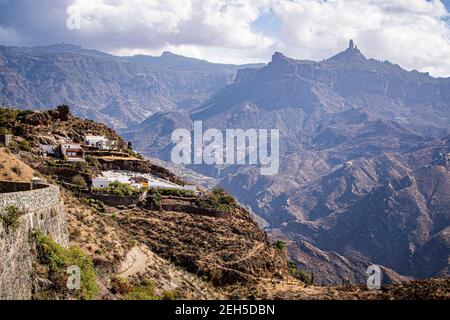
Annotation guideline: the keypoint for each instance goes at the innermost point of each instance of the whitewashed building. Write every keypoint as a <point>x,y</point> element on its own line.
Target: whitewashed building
<point>99,183</point>
<point>99,142</point>
<point>72,152</point>
<point>136,179</point>
<point>48,150</point>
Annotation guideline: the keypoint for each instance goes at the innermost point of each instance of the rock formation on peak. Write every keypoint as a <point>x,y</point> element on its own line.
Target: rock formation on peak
<point>351,44</point>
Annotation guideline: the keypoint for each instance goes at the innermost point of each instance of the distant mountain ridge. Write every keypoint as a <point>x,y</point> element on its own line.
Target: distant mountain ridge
<point>364,144</point>
<point>118,91</point>
<point>363,169</point>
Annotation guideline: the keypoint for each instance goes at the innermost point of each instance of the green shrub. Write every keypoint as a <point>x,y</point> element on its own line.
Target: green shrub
<point>171,192</point>
<point>11,218</point>
<point>92,161</point>
<point>122,189</point>
<point>23,113</point>
<point>302,275</point>
<point>25,145</point>
<point>216,276</point>
<point>7,116</point>
<point>79,180</point>
<point>145,292</point>
<point>75,233</point>
<point>154,199</point>
<point>4,130</point>
<point>169,295</point>
<point>218,200</point>
<point>133,153</point>
<point>58,259</point>
<point>51,163</point>
<point>280,245</point>
<point>222,196</point>
<point>120,286</point>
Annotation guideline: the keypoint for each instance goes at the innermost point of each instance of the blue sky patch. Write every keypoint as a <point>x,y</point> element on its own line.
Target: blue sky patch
<point>267,23</point>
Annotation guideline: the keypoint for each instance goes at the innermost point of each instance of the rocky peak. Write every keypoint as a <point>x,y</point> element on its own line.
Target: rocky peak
<point>351,54</point>
<point>352,46</point>
<point>278,57</point>
<point>281,63</point>
<point>167,54</point>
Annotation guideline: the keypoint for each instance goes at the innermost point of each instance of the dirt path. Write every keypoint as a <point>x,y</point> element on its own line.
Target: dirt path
<point>134,262</point>
<point>256,249</point>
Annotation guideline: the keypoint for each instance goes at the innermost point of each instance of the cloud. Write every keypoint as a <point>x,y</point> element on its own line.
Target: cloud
<point>413,33</point>
<point>149,24</point>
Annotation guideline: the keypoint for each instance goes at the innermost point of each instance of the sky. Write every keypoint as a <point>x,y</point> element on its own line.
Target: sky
<point>412,33</point>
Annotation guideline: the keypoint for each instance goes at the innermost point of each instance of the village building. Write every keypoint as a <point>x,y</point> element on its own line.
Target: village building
<point>99,142</point>
<point>137,180</point>
<point>72,152</point>
<point>5,139</point>
<point>48,150</point>
<point>100,183</point>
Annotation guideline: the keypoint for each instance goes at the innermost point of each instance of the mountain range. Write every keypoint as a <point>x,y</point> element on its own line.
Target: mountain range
<point>364,169</point>
<point>364,144</point>
<point>118,91</point>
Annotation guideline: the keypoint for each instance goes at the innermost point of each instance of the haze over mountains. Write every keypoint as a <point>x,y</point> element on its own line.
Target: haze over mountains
<point>364,169</point>
<point>364,145</point>
<point>119,91</point>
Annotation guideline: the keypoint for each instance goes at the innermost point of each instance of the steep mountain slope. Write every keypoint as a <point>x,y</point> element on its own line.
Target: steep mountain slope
<point>138,252</point>
<point>353,132</point>
<point>119,91</point>
<point>339,83</point>
<point>196,254</point>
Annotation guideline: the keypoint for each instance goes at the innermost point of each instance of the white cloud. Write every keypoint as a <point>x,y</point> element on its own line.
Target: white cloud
<point>148,24</point>
<point>412,33</point>
<point>409,32</point>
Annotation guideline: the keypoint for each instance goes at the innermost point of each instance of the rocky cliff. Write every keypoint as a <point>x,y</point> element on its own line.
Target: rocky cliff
<point>119,91</point>
<point>143,251</point>
<point>353,132</point>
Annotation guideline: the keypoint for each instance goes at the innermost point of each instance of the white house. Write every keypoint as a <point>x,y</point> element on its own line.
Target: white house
<point>47,149</point>
<point>100,142</point>
<point>104,182</point>
<point>135,179</point>
<point>100,183</point>
<point>72,151</point>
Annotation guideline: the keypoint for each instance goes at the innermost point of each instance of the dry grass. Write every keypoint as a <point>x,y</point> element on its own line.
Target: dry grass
<point>12,169</point>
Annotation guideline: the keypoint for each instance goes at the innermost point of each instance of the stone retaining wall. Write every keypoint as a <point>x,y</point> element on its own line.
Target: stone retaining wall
<point>113,200</point>
<point>41,209</point>
<point>32,200</point>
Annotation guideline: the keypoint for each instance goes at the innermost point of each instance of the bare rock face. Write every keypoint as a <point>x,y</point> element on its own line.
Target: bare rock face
<point>118,91</point>
<point>161,125</point>
<point>363,160</point>
<point>363,151</point>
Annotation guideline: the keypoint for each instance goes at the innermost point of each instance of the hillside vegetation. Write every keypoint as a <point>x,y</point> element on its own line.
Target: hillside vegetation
<point>213,250</point>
